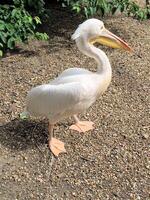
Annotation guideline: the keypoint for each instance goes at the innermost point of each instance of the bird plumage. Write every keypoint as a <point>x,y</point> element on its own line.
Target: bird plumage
<point>64,96</point>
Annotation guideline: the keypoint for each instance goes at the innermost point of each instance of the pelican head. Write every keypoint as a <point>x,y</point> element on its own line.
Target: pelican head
<point>94,31</point>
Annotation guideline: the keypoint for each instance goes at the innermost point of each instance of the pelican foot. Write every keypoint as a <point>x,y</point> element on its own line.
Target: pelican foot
<point>56,146</point>
<point>82,126</point>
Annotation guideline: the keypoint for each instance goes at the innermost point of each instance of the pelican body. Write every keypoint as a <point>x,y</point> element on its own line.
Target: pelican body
<point>76,89</point>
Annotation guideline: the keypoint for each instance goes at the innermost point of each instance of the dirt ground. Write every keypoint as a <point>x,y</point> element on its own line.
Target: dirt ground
<point>110,162</point>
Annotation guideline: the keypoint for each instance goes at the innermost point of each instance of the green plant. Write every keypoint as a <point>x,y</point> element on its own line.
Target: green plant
<point>103,7</point>
<point>89,8</point>
<point>92,7</point>
<point>36,5</point>
<point>119,5</point>
<point>136,11</point>
<point>131,8</point>
<point>17,25</point>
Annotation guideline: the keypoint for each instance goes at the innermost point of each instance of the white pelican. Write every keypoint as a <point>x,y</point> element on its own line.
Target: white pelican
<point>76,89</point>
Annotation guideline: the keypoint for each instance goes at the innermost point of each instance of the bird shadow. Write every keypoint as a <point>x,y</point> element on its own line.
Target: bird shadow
<point>20,135</point>
<point>24,134</point>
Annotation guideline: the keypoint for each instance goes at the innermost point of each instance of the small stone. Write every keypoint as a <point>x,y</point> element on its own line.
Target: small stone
<point>74,194</point>
<point>145,135</point>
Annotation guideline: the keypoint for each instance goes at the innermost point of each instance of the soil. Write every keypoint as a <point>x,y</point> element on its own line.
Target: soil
<point>110,162</point>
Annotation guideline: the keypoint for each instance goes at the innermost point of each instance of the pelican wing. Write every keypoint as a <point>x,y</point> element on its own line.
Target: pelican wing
<point>74,71</point>
<point>68,74</point>
<point>49,99</point>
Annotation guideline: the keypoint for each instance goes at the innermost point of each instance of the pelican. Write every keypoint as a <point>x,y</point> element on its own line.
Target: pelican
<point>76,89</point>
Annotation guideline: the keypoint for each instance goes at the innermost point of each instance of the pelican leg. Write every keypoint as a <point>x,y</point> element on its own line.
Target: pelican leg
<point>81,126</point>
<point>55,145</point>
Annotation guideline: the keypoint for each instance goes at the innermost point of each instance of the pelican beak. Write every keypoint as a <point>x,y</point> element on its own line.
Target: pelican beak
<point>109,39</point>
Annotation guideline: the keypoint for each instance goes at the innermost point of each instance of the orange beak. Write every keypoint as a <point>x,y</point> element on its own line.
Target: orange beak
<point>109,39</point>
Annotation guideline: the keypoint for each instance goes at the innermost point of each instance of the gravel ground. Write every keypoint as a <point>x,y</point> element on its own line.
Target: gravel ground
<point>110,162</point>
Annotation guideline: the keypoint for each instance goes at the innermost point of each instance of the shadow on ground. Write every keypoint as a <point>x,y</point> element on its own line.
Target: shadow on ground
<point>24,134</point>
<point>20,135</point>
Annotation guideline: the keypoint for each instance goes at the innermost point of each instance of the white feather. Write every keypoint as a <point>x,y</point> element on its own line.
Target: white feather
<point>60,100</point>
<point>87,27</point>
